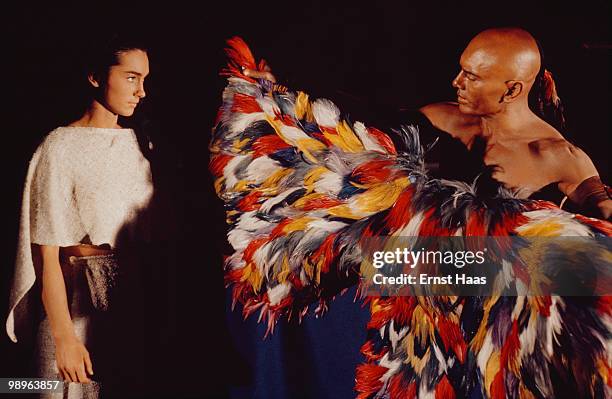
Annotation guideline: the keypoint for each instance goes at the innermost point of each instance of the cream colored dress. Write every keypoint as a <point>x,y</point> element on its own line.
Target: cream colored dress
<point>84,185</point>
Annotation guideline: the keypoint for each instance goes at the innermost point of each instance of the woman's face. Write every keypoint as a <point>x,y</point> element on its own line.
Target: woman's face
<point>124,87</point>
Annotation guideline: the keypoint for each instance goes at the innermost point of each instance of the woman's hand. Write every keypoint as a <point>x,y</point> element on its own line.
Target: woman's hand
<point>70,354</point>
<point>73,360</point>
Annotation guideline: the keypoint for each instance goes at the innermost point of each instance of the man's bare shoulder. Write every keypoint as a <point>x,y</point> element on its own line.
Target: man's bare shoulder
<point>447,117</point>
<point>548,141</point>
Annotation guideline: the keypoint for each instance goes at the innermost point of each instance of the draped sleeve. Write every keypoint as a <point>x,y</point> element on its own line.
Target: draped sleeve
<point>49,216</point>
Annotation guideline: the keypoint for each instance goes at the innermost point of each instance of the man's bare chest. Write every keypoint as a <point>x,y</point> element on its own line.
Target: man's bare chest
<point>518,165</point>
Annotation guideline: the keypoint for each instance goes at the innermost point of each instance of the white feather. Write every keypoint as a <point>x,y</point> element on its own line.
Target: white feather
<point>329,183</point>
<point>369,143</point>
<point>292,134</point>
<point>239,239</point>
<point>412,228</point>
<point>268,106</point>
<point>484,354</point>
<point>325,225</point>
<point>553,323</point>
<point>261,168</point>
<point>325,113</point>
<point>241,121</point>
<point>278,293</point>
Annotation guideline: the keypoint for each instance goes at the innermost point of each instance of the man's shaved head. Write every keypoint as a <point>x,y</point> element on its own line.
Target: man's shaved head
<point>512,52</point>
<point>498,68</point>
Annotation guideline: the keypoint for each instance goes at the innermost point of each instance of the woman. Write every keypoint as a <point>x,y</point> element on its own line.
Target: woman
<point>86,185</point>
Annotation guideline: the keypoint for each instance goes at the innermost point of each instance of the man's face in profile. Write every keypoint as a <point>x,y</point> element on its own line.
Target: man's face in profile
<point>480,85</point>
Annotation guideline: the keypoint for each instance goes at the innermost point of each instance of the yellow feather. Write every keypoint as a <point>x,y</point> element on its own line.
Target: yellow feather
<point>302,107</point>
<point>270,185</point>
<point>311,177</point>
<point>253,276</point>
<point>239,144</point>
<point>350,138</point>
<point>282,275</point>
<point>491,371</point>
<point>376,199</point>
<point>242,185</point>
<point>382,196</point>
<point>344,211</point>
<point>345,139</point>
<point>219,185</point>
<point>545,228</point>
<point>308,146</point>
<point>297,224</point>
<point>304,200</point>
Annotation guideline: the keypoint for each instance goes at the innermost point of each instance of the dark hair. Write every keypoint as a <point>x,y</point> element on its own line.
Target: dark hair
<point>100,59</point>
<point>106,54</point>
<point>545,98</point>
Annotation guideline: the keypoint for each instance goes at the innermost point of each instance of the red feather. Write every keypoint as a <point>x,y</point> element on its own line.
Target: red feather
<point>444,389</point>
<point>321,203</point>
<point>398,389</point>
<point>602,225</point>
<point>252,247</point>
<point>239,56</point>
<point>278,230</point>
<point>383,140</point>
<point>218,163</point>
<point>326,250</point>
<point>400,213</point>
<point>377,171</point>
<point>245,104</point>
<point>498,389</point>
<point>268,144</point>
<point>511,346</point>
<point>367,350</point>
<point>368,379</point>
<point>452,337</point>
<point>249,202</point>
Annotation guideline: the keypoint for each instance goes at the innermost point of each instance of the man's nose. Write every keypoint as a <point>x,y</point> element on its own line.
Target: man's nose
<point>458,81</point>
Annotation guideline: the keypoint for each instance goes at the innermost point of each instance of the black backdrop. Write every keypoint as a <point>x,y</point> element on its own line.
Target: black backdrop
<point>378,56</point>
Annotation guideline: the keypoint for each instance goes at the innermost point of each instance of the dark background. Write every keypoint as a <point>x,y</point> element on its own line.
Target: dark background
<point>368,59</point>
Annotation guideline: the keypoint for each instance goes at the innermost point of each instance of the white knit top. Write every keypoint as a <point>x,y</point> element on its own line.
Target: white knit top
<point>84,185</point>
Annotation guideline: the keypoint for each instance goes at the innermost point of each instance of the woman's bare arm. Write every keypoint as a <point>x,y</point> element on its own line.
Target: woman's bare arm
<point>71,355</point>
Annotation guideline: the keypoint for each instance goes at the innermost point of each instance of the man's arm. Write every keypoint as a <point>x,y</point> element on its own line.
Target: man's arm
<point>579,179</point>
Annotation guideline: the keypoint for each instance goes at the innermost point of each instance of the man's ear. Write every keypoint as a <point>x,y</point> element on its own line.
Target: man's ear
<point>91,78</point>
<point>514,89</point>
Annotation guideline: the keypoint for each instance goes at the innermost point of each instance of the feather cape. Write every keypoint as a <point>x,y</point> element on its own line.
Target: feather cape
<point>304,187</point>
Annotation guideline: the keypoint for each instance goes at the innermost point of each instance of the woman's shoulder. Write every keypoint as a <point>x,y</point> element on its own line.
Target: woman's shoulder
<point>58,136</point>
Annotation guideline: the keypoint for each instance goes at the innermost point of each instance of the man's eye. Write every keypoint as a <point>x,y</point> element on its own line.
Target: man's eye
<point>131,78</point>
<point>470,77</point>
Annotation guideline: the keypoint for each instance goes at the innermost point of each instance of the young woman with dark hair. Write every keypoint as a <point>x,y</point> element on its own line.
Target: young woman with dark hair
<point>86,184</point>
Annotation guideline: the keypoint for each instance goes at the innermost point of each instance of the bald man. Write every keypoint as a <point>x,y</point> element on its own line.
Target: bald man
<point>498,69</point>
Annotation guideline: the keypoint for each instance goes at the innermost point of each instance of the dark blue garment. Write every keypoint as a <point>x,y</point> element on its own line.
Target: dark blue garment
<point>316,359</point>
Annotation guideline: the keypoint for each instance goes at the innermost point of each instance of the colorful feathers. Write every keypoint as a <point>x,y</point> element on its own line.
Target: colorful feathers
<point>303,188</point>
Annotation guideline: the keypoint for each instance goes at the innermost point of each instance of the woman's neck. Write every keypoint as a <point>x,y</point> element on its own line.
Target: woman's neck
<point>97,116</point>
